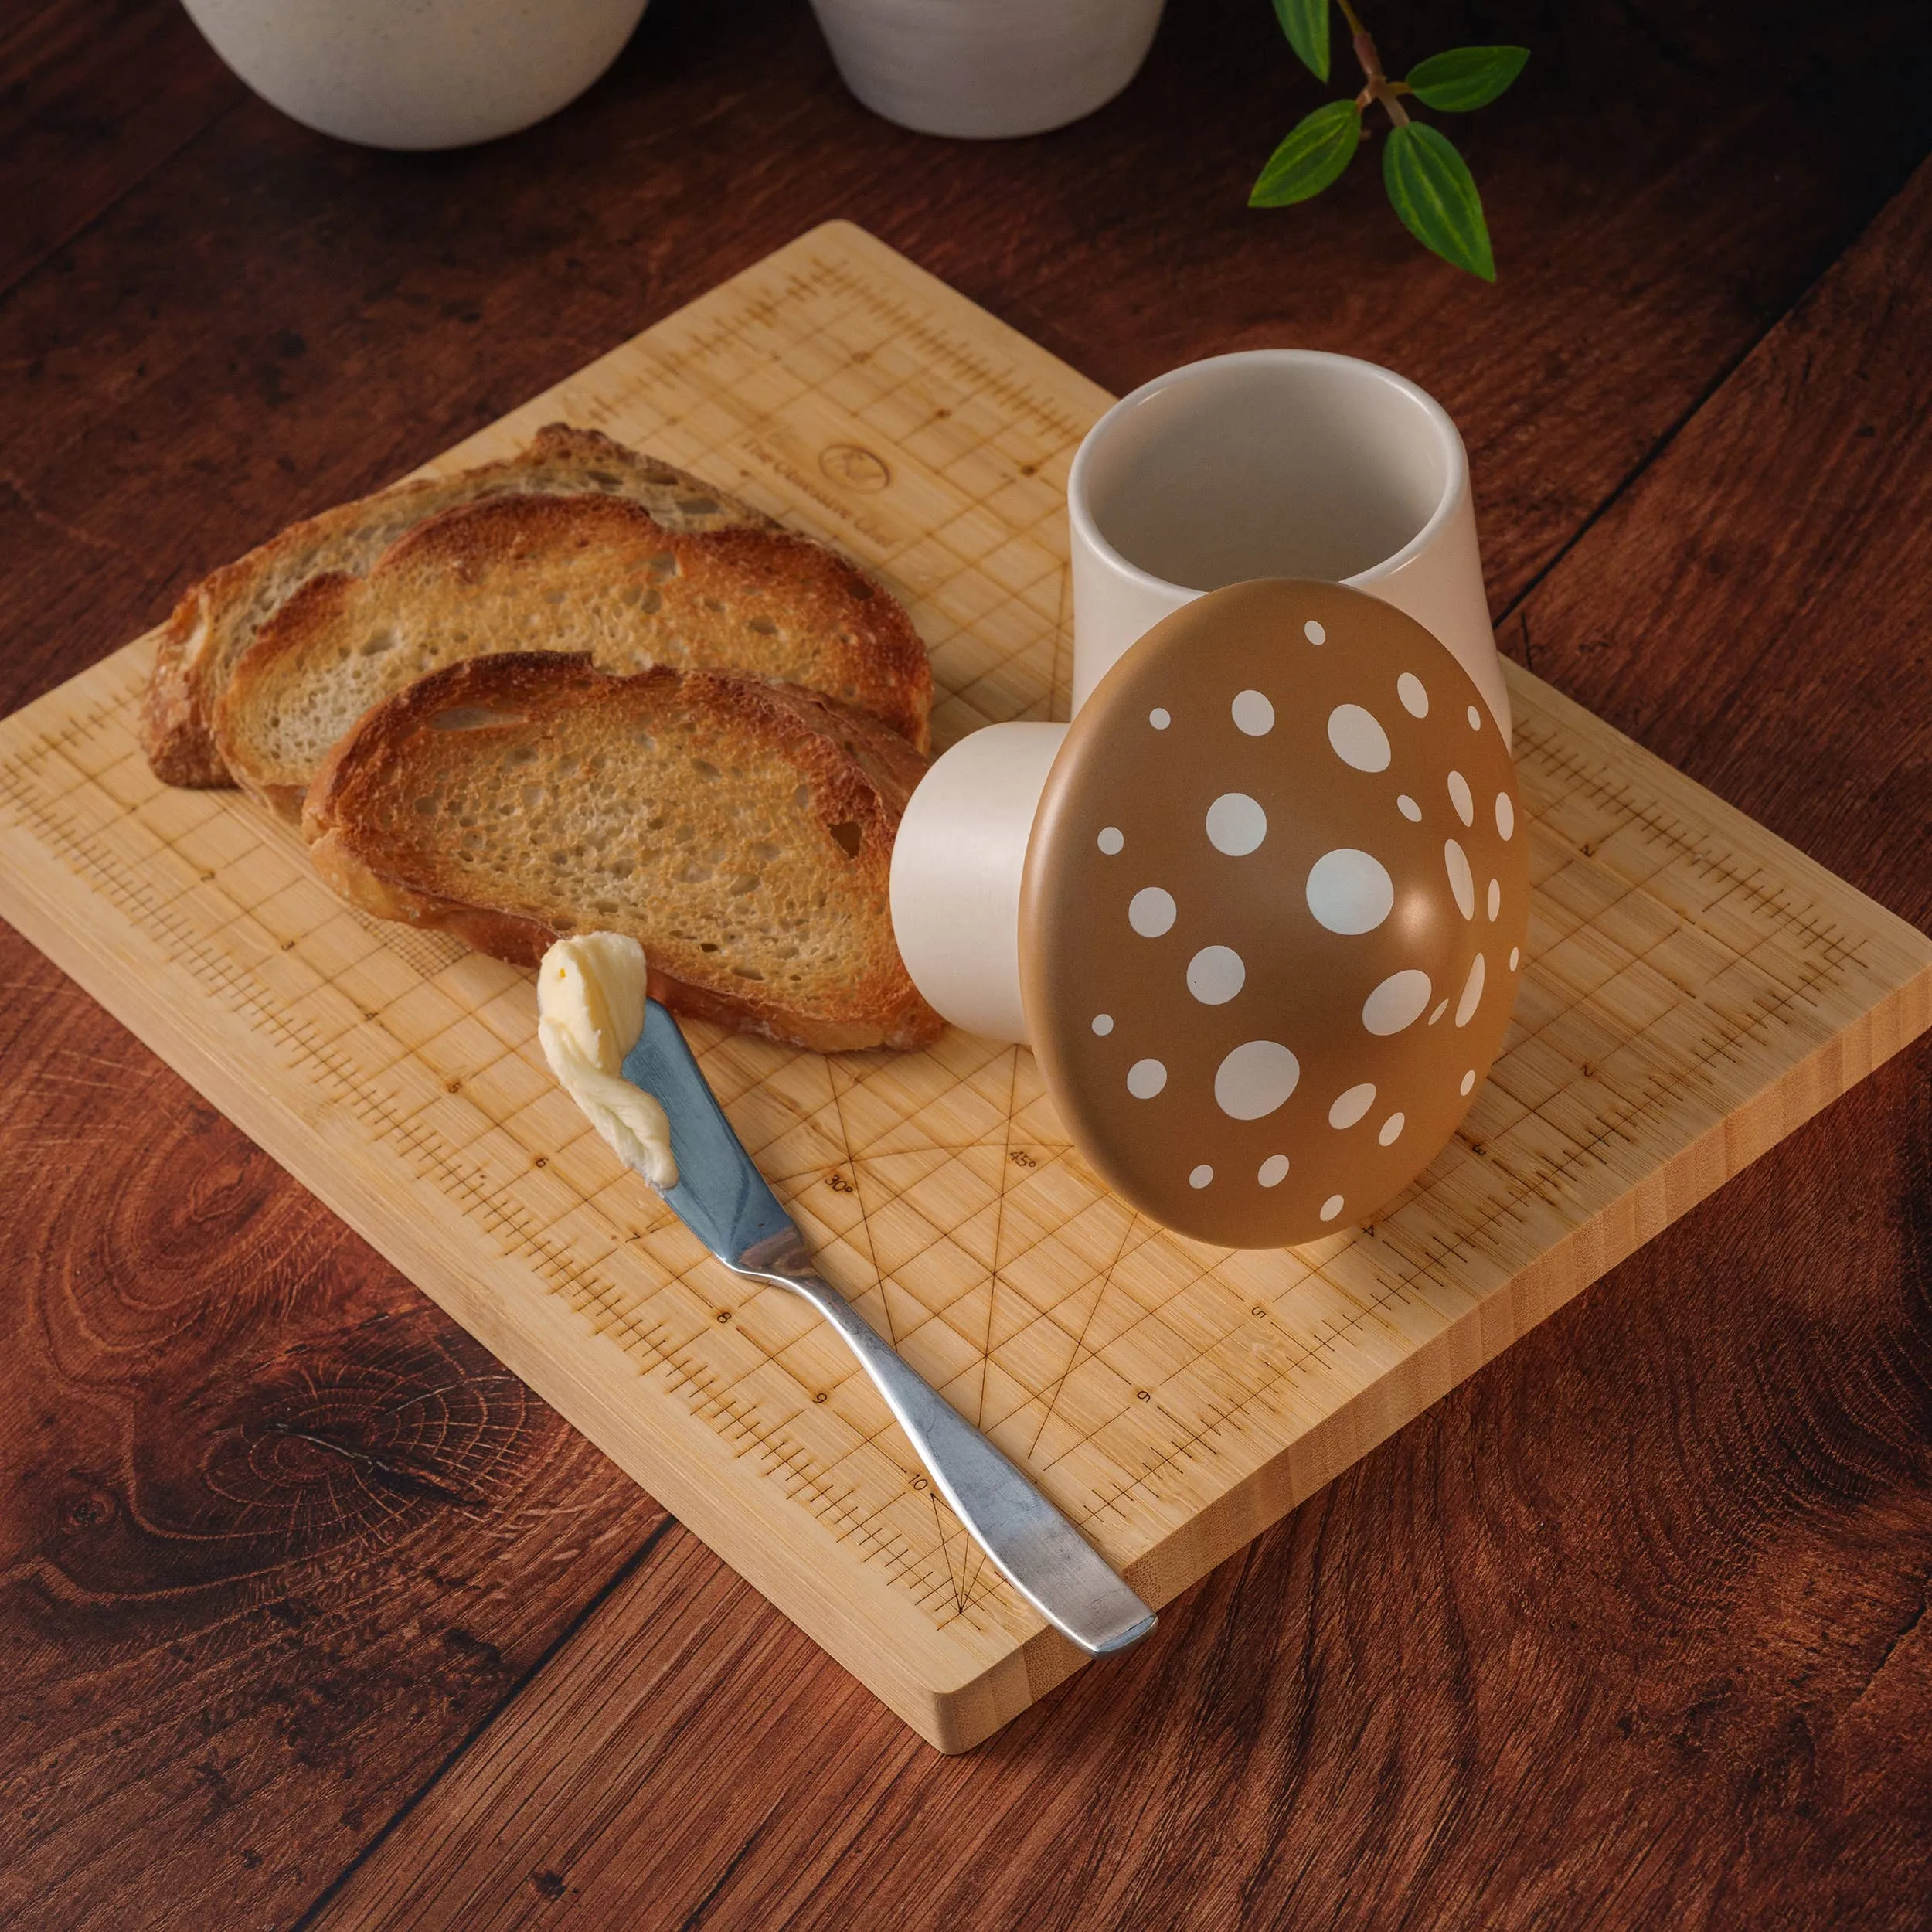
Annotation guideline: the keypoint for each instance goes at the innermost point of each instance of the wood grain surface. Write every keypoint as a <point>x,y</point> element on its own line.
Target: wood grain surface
<point>1636,1640</point>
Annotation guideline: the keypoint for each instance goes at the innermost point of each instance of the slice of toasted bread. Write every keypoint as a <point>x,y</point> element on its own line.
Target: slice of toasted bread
<point>217,619</point>
<point>568,573</point>
<point>741,831</point>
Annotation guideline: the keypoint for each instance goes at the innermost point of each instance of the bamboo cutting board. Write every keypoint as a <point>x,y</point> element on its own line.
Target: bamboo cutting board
<point>1695,989</point>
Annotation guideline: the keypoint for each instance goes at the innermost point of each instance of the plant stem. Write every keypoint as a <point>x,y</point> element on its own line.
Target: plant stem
<point>1379,87</point>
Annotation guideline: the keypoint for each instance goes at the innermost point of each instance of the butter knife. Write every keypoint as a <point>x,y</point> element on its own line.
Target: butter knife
<point>722,1199</point>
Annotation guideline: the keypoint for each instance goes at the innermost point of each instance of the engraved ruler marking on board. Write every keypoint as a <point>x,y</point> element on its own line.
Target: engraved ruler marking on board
<point>1679,961</point>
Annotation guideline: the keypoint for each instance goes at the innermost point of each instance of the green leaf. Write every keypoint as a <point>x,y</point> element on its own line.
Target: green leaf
<point>1465,77</point>
<point>1306,24</point>
<point>1433,194</point>
<point>1319,148</point>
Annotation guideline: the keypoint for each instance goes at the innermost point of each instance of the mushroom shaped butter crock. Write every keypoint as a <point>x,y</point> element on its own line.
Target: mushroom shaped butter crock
<point>1269,922</point>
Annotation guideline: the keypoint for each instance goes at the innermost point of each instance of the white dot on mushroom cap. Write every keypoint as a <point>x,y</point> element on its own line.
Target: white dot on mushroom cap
<point>1145,1079</point>
<point>1331,1207</point>
<point>1350,891</point>
<point>1462,881</point>
<point>1496,898</point>
<point>1236,824</point>
<point>1475,718</point>
<point>1392,1129</point>
<point>1158,718</point>
<point>1255,1079</point>
<point>1468,1080</point>
<point>1459,797</point>
<point>1515,954</point>
<point>1253,713</point>
<point>1414,694</point>
<point>1274,1171</point>
<point>1471,993</point>
<point>1150,912</point>
<point>1313,632</point>
<point>1442,1007</point>
<point>1505,815</point>
<point>1409,808</point>
<point>1110,841</point>
<point>1397,1002</point>
<point>1103,1023</point>
<point>1215,974</point>
<point>1358,738</point>
<point>1200,1175</point>
<point>1350,1107</point>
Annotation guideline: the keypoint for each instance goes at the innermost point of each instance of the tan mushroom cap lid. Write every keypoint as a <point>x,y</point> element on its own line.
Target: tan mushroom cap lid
<point>1274,910</point>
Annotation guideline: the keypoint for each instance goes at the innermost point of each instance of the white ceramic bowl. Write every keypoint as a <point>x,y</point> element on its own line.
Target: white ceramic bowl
<point>416,73</point>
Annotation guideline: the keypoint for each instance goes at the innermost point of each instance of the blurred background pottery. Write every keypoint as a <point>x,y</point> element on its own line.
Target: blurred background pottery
<point>987,69</point>
<point>417,73</point>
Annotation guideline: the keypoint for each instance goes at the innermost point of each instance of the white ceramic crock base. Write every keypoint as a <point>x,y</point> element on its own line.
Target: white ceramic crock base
<point>987,69</point>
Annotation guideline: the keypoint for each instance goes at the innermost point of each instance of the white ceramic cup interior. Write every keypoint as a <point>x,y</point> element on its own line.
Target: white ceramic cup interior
<point>1270,463</point>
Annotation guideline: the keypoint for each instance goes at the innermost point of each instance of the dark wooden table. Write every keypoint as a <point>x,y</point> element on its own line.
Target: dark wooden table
<point>312,1615</point>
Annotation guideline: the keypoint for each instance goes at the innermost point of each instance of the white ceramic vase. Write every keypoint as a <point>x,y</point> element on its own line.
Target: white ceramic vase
<point>416,73</point>
<point>987,69</point>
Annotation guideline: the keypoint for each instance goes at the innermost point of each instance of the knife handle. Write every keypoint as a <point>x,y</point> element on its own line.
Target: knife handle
<point>1038,1551</point>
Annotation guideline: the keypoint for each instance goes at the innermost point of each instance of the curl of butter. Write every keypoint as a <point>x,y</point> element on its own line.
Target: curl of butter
<point>590,992</point>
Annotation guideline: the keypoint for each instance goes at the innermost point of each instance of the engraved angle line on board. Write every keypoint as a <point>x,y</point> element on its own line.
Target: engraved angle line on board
<point>941,1234</point>
<point>865,1219</point>
<point>999,1226</point>
<point>1106,1278</point>
<point>958,1583</point>
<point>947,1236</point>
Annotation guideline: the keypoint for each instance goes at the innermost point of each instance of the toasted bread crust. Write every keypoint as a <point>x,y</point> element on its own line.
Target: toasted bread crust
<point>179,750</point>
<point>857,774</point>
<point>495,575</point>
<point>217,618</point>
